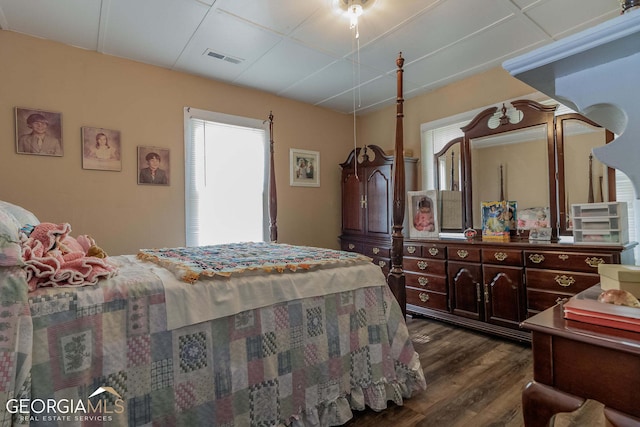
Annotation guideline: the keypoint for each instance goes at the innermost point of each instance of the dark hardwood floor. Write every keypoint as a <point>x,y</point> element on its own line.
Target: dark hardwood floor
<point>473,379</point>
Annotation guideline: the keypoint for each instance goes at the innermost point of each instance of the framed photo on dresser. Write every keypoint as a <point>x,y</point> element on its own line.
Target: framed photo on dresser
<point>423,214</point>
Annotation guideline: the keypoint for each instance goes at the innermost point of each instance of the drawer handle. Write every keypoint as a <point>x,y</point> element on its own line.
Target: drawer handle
<point>478,293</point>
<point>422,265</point>
<point>376,251</point>
<point>500,256</point>
<point>563,257</point>
<point>536,258</point>
<point>423,281</point>
<point>382,264</point>
<point>486,293</point>
<point>352,246</point>
<point>411,249</point>
<point>424,297</point>
<point>594,262</point>
<point>462,253</point>
<point>433,251</point>
<point>565,281</point>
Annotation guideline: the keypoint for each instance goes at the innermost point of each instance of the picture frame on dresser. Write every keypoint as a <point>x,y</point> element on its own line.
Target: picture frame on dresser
<point>423,214</point>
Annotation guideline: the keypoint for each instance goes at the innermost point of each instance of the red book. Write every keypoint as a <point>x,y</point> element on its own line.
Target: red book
<point>584,307</point>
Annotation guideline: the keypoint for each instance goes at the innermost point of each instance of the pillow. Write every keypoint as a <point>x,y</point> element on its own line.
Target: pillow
<point>12,218</point>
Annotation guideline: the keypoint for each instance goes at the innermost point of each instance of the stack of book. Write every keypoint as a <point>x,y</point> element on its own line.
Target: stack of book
<point>584,307</point>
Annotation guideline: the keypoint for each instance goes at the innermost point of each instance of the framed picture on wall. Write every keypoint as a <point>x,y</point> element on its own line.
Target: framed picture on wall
<point>38,132</point>
<point>423,213</point>
<point>153,165</point>
<point>101,149</point>
<point>304,168</point>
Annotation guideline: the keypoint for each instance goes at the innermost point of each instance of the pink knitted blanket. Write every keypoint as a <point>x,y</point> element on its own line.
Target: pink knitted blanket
<point>53,258</point>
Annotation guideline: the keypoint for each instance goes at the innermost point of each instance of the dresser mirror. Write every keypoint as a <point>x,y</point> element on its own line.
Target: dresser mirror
<point>509,154</point>
<point>581,177</point>
<point>449,183</point>
<point>503,165</point>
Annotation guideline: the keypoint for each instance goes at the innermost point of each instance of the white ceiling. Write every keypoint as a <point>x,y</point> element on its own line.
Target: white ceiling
<point>304,49</point>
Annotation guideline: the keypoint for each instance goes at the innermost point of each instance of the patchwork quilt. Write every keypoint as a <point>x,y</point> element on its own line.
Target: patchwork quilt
<point>103,355</point>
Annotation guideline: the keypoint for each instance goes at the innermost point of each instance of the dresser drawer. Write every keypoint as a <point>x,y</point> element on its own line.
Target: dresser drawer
<point>540,300</point>
<point>575,261</point>
<point>560,281</point>
<point>502,256</point>
<point>376,251</point>
<point>422,265</point>
<point>351,246</point>
<point>427,299</point>
<point>426,282</point>
<point>462,253</point>
<point>425,250</point>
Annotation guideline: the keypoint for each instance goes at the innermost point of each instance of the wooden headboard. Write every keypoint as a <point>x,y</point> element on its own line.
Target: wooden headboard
<point>396,278</point>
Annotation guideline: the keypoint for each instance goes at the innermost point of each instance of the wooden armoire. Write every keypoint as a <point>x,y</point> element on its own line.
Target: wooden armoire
<point>367,197</point>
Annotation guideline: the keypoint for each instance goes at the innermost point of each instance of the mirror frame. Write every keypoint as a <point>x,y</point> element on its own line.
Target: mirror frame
<point>611,173</point>
<point>461,167</point>
<point>534,114</point>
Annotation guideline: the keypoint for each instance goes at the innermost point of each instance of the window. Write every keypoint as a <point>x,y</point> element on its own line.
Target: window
<point>226,197</point>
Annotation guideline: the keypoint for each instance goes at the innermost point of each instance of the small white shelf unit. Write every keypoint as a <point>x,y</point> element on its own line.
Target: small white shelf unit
<point>600,223</point>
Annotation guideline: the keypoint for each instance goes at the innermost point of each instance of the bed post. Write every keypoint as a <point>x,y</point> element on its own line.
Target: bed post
<point>273,199</point>
<point>396,278</point>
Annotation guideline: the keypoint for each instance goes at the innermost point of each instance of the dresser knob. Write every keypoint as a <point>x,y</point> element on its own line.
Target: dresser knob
<point>594,262</point>
<point>352,246</point>
<point>536,258</point>
<point>382,264</point>
<point>411,249</point>
<point>424,297</point>
<point>500,256</point>
<point>422,265</point>
<point>565,281</point>
<point>376,251</point>
<point>563,257</point>
<point>462,253</point>
<point>433,251</point>
<point>423,281</point>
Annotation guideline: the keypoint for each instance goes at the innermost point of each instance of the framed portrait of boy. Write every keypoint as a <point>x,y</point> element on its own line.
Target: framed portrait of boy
<point>153,165</point>
<point>38,132</point>
<point>101,149</point>
<point>304,168</point>
<point>423,213</point>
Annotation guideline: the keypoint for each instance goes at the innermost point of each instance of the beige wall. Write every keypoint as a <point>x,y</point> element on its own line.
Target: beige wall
<point>146,104</point>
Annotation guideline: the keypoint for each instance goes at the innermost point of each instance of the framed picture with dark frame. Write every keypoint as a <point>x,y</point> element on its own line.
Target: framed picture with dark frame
<point>38,132</point>
<point>304,168</point>
<point>423,213</point>
<point>154,165</point>
<point>101,149</point>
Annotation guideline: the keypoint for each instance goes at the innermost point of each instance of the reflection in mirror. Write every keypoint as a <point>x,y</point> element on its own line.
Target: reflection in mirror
<point>448,167</point>
<point>510,166</point>
<point>585,179</point>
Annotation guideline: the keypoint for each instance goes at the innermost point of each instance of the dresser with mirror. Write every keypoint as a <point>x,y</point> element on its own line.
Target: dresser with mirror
<point>520,152</point>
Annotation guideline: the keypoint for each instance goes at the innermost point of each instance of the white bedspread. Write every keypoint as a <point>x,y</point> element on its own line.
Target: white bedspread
<point>209,299</point>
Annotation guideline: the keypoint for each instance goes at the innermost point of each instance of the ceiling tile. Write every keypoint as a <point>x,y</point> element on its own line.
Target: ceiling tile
<point>286,63</point>
<point>228,36</point>
<point>581,14</point>
<point>52,20</point>
<point>152,31</point>
<point>281,16</point>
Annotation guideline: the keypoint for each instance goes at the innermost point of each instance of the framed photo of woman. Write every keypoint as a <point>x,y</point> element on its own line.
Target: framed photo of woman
<point>101,149</point>
<point>304,168</point>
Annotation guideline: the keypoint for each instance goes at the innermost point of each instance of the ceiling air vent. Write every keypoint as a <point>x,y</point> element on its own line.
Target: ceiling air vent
<point>223,57</point>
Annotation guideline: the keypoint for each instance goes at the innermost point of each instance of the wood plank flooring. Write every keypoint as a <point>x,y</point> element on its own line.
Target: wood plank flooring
<point>473,379</point>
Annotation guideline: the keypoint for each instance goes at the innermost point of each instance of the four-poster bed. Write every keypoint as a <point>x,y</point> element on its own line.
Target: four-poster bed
<point>240,334</point>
